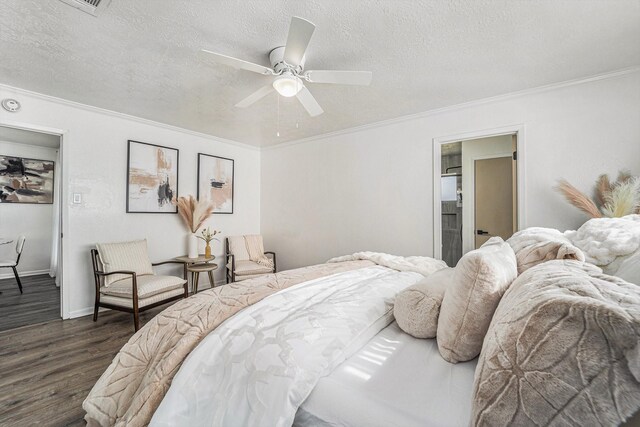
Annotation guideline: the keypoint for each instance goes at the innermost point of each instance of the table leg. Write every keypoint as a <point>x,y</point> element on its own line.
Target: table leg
<point>211,281</point>
<point>195,282</point>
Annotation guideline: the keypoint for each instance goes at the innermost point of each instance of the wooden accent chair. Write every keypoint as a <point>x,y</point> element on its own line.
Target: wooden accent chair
<point>125,281</point>
<point>13,264</point>
<point>239,264</point>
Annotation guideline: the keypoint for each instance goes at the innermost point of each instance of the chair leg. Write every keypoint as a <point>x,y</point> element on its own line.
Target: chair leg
<point>95,313</point>
<point>136,320</point>
<point>15,273</point>
<point>211,281</point>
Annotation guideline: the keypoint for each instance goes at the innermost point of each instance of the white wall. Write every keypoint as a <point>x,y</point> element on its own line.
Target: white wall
<point>371,189</point>
<point>94,150</point>
<point>497,146</point>
<point>34,221</point>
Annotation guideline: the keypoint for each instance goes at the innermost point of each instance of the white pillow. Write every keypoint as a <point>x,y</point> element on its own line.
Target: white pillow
<point>416,308</point>
<point>130,256</point>
<point>629,269</point>
<point>479,281</point>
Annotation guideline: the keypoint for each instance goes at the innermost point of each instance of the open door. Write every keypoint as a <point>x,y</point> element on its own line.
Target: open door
<point>494,196</point>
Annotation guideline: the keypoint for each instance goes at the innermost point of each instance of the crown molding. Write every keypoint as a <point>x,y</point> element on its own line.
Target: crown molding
<point>474,103</point>
<point>129,117</point>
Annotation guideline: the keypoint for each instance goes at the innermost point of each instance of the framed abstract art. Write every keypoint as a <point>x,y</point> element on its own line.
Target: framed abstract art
<point>25,180</point>
<point>215,182</point>
<point>152,178</point>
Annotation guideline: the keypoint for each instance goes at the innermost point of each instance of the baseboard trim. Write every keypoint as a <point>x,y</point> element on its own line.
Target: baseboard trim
<point>81,313</point>
<point>23,274</point>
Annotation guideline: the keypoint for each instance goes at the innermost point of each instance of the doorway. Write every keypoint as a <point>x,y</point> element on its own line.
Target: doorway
<point>30,227</point>
<point>477,191</point>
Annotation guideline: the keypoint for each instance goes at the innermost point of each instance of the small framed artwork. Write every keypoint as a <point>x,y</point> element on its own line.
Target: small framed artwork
<point>26,180</point>
<point>152,178</point>
<point>215,182</point>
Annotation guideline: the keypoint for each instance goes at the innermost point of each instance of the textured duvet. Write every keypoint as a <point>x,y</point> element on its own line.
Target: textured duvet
<point>258,367</point>
<point>563,349</point>
<point>132,387</point>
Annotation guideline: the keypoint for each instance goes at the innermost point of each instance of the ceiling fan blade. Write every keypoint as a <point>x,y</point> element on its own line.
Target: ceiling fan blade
<point>309,102</point>
<point>234,62</point>
<point>300,32</point>
<point>362,78</point>
<point>255,96</point>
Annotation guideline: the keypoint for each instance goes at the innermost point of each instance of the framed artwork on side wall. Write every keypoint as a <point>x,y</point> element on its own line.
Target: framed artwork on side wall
<point>152,178</point>
<point>26,180</point>
<point>215,182</point>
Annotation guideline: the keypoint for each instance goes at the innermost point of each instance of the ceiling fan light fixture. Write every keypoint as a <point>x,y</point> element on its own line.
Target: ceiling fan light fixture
<point>287,85</point>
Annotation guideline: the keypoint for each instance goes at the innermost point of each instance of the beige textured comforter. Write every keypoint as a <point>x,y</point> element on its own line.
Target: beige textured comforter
<point>133,386</point>
<point>563,348</point>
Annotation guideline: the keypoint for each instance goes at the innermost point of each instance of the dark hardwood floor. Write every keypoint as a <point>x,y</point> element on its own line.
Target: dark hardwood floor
<point>39,303</point>
<point>47,369</point>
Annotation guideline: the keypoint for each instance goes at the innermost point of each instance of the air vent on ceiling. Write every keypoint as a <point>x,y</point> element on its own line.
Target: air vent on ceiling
<point>89,6</point>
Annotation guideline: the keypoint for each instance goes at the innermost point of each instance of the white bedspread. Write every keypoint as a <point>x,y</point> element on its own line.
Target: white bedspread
<point>393,380</point>
<point>256,368</point>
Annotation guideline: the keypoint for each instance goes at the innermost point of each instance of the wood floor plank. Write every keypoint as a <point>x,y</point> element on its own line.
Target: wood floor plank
<point>47,369</point>
<point>39,303</point>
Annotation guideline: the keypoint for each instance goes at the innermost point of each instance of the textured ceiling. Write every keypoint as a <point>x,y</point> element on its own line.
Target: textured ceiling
<point>139,57</point>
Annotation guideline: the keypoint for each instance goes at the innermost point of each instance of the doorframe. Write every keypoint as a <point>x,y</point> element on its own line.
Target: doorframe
<point>64,207</point>
<point>519,131</point>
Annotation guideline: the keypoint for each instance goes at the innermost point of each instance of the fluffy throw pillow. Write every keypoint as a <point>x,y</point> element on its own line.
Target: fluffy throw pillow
<point>417,308</point>
<point>129,256</point>
<point>563,348</point>
<point>479,281</point>
<point>536,245</point>
<point>629,269</point>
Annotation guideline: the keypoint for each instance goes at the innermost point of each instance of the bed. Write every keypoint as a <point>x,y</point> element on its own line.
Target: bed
<point>390,381</point>
<point>318,346</point>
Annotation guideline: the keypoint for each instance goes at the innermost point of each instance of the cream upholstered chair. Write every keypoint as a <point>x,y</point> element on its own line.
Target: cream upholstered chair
<point>125,281</point>
<point>13,263</point>
<point>239,263</point>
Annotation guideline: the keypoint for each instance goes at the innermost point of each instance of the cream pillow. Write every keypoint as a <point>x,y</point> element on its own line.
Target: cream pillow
<point>536,245</point>
<point>479,281</point>
<point>130,256</point>
<point>238,248</point>
<point>416,308</point>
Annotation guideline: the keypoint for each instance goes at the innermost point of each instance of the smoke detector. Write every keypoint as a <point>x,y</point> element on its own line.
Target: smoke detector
<point>10,105</point>
<point>88,6</point>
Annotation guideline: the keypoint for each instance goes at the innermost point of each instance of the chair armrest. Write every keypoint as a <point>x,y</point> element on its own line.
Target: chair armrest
<point>274,259</point>
<point>233,261</point>
<point>173,261</point>
<point>102,273</point>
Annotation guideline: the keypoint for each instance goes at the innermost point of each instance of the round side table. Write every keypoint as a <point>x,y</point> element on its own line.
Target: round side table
<point>196,269</point>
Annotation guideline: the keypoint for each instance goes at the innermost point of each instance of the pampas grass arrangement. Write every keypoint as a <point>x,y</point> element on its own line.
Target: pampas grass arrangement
<point>193,212</point>
<point>610,199</point>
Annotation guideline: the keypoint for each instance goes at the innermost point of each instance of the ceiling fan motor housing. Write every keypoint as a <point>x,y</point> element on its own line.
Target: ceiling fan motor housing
<point>276,58</point>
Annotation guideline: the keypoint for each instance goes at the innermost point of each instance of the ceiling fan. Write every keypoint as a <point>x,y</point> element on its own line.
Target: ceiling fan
<point>287,65</point>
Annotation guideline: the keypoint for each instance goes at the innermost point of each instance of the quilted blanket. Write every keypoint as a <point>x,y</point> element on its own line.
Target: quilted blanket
<point>563,348</point>
<point>132,387</point>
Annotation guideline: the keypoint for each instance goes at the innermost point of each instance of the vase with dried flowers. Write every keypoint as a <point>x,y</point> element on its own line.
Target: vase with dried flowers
<point>193,213</point>
<point>612,199</point>
<point>206,236</point>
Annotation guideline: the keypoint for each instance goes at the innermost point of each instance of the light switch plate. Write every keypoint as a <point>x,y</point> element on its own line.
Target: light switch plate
<point>77,198</point>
